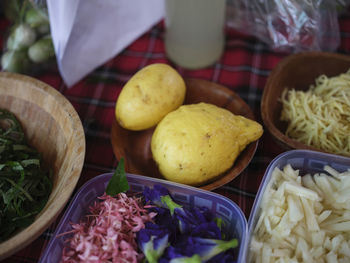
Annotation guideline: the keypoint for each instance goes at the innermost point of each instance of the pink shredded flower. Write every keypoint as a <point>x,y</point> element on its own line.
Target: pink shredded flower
<point>109,233</point>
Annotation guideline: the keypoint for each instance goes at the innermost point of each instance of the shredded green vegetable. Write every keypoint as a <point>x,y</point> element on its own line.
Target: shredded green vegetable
<point>24,185</point>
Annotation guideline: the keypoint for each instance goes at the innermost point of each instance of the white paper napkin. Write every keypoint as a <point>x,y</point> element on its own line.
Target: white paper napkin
<point>87,33</point>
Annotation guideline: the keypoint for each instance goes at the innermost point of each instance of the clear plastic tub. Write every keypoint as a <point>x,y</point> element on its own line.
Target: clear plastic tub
<point>183,194</point>
<point>305,161</point>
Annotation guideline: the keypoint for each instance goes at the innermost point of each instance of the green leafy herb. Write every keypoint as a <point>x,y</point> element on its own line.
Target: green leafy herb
<point>24,185</point>
<point>118,182</point>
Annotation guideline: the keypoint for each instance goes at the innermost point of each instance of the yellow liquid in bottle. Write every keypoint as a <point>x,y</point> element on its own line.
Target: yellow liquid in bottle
<point>194,35</point>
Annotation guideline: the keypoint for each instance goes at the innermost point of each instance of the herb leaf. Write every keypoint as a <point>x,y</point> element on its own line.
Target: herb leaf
<point>24,186</point>
<point>118,182</point>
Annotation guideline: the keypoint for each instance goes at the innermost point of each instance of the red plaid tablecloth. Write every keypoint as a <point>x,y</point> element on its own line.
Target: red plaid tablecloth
<point>244,68</point>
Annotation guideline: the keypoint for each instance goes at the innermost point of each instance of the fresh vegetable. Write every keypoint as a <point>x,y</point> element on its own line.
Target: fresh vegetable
<point>21,37</point>
<point>24,185</point>
<point>42,50</point>
<point>36,17</point>
<point>196,143</point>
<point>29,43</point>
<point>148,96</point>
<point>15,61</point>
<point>320,116</point>
<point>303,218</point>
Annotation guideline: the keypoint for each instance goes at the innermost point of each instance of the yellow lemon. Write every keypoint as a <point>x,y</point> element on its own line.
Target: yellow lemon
<point>148,96</point>
<point>196,143</point>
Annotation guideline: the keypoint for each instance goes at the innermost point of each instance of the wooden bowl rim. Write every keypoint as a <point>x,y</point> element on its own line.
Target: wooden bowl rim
<point>227,176</point>
<point>45,219</point>
<point>283,139</point>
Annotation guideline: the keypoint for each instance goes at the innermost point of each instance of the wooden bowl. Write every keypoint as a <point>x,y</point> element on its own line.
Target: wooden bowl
<point>53,127</point>
<point>296,71</point>
<point>134,146</point>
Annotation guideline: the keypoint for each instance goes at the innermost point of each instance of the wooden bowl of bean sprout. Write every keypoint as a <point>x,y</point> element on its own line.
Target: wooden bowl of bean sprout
<point>306,102</point>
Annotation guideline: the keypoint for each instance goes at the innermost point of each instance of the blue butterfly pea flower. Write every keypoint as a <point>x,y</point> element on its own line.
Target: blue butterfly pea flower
<point>152,241</point>
<point>206,248</point>
<point>154,195</point>
<point>189,221</point>
<point>206,230</point>
<point>194,223</point>
<point>196,232</point>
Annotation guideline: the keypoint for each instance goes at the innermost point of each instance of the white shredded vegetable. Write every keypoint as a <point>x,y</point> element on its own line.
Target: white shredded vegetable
<point>320,116</point>
<point>295,226</point>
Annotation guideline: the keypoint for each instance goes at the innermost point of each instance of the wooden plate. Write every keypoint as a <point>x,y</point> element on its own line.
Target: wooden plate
<point>134,146</point>
<point>296,71</point>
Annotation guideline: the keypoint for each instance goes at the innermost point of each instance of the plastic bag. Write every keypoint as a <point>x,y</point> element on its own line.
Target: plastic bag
<point>28,47</point>
<point>288,25</point>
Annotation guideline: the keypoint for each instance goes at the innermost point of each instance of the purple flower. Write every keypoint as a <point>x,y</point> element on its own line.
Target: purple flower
<point>183,235</point>
<point>152,241</point>
<point>189,221</point>
<point>196,223</point>
<point>154,195</point>
<point>206,230</point>
<point>207,248</point>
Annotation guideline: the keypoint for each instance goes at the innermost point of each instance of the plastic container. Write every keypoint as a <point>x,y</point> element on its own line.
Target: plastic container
<point>184,195</point>
<point>305,161</point>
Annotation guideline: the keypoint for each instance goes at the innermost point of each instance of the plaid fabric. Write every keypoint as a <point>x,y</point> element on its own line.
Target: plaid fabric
<point>244,68</point>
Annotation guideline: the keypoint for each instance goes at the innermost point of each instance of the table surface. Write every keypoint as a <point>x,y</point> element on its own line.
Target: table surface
<point>243,68</point>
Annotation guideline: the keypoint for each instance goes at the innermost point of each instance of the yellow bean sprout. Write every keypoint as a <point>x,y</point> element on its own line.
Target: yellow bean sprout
<point>320,116</point>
